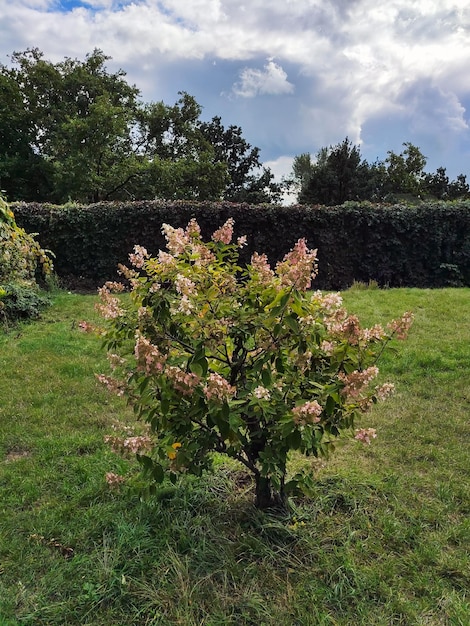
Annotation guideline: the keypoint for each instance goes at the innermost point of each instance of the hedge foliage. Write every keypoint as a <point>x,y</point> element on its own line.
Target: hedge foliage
<point>426,245</point>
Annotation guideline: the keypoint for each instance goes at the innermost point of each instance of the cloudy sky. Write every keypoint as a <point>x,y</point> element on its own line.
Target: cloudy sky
<point>296,75</point>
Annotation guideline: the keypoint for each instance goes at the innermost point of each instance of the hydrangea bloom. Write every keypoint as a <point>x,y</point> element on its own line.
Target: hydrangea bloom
<point>225,233</point>
<point>307,413</point>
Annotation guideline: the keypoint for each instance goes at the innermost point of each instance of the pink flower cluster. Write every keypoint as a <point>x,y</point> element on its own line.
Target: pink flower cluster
<point>177,239</point>
<point>308,413</point>
<point>261,267</point>
<point>224,234</point>
<point>365,435</point>
<point>149,358</point>
<point>298,267</point>
<point>166,260</point>
<point>355,382</point>
<point>347,328</point>
<point>114,287</point>
<point>113,385</point>
<point>329,302</point>
<point>129,445</point>
<point>376,333</point>
<point>193,229</point>
<point>218,389</point>
<point>185,306</point>
<point>110,307</point>
<point>137,445</point>
<point>384,391</point>
<point>203,254</point>
<point>182,381</point>
<point>139,256</point>
<point>86,327</point>
<point>262,393</point>
<point>115,361</point>
<point>327,347</point>
<point>128,273</point>
<point>401,326</point>
<point>184,285</point>
<point>114,480</point>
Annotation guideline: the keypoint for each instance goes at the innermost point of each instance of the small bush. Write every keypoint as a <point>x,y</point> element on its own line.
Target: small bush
<point>247,362</point>
<point>23,263</point>
<point>21,301</point>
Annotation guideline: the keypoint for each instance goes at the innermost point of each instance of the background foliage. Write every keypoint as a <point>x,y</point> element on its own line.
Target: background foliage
<point>22,264</point>
<point>424,245</point>
<point>74,131</point>
<point>339,173</point>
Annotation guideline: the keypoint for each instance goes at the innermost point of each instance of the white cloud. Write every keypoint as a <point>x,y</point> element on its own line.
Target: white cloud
<point>351,61</point>
<point>281,169</point>
<point>446,113</point>
<point>271,80</point>
<point>100,4</point>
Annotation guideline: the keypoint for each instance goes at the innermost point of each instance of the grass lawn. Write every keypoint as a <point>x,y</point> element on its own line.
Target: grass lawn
<point>385,540</point>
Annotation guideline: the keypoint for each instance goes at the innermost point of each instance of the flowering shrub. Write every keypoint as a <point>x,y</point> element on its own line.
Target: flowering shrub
<point>247,362</point>
<point>21,259</point>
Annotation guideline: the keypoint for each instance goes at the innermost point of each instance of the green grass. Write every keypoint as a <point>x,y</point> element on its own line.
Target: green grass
<point>385,539</point>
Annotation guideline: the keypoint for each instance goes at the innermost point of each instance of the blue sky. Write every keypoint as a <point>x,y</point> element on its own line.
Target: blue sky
<point>296,75</point>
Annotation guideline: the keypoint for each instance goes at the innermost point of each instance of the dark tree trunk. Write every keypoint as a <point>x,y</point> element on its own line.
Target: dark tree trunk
<point>267,497</point>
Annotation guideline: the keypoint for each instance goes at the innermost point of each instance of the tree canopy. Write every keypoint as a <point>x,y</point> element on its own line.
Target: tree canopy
<point>74,131</point>
<point>339,173</point>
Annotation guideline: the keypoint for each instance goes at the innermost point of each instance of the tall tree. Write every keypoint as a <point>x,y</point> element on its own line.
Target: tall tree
<point>79,132</point>
<point>338,174</point>
<point>172,132</point>
<point>248,180</point>
<point>438,185</point>
<point>79,119</point>
<point>23,172</point>
<point>181,160</point>
<point>459,188</point>
<point>405,171</point>
<point>302,170</point>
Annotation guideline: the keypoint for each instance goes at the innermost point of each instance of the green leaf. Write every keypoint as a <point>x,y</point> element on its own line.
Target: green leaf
<point>292,323</point>
<point>225,412</point>
<point>224,428</point>
<point>279,302</point>
<point>235,421</point>
<point>196,368</point>
<point>158,473</point>
<point>330,405</point>
<point>144,384</point>
<point>220,419</point>
<point>266,377</point>
<point>294,440</point>
<point>165,405</point>
<point>297,307</point>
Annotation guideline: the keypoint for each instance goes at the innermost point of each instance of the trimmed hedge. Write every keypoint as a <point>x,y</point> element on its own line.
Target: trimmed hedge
<point>427,245</point>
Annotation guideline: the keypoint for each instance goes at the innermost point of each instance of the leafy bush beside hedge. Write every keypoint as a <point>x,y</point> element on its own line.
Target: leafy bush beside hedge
<point>427,245</point>
<point>22,263</point>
